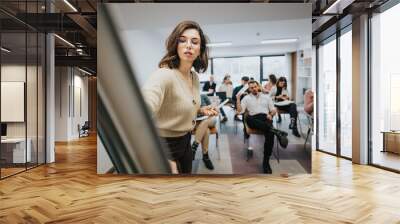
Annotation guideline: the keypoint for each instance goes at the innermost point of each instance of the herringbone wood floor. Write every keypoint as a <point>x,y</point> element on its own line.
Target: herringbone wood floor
<point>70,191</point>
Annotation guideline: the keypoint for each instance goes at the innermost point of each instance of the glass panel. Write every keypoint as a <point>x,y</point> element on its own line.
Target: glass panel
<point>236,67</point>
<point>346,94</point>
<point>327,97</point>
<point>41,99</point>
<point>31,98</point>
<point>13,87</point>
<point>203,77</point>
<point>276,65</point>
<point>385,84</point>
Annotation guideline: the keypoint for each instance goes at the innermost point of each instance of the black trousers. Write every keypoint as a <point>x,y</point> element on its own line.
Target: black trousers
<point>180,151</point>
<point>260,122</point>
<point>291,109</point>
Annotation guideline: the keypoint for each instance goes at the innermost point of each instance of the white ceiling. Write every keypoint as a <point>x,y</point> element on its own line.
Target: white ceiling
<point>251,33</point>
<point>245,25</point>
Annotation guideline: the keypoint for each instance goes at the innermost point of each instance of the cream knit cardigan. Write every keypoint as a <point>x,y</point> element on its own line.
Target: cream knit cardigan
<point>173,104</point>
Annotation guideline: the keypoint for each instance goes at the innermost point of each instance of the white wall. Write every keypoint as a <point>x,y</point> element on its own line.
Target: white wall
<point>104,163</point>
<point>145,49</point>
<point>252,50</point>
<point>67,115</point>
<point>12,73</point>
<point>33,125</point>
<point>61,103</point>
<point>243,24</point>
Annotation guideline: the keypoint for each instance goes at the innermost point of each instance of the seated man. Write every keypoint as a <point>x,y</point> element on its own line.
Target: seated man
<point>210,86</point>
<point>244,82</point>
<point>202,134</point>
<point>261,110</point>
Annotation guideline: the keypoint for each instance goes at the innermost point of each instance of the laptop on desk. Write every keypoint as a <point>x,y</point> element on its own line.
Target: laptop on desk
<point>221,95</point>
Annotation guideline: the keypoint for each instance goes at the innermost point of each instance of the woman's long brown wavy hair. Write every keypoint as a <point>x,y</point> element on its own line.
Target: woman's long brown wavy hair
<point>171,58</point>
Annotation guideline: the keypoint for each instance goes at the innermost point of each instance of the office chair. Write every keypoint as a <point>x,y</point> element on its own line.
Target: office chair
<point>310,130</point>
<point>246,139</point>
<point>84,130</point>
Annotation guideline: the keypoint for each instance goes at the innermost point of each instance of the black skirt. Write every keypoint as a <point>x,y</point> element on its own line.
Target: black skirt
<point>179,150</point>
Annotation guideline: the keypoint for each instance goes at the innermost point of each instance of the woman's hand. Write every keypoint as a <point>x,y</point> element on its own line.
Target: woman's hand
<point>208,111</point>
<point>282,97</point>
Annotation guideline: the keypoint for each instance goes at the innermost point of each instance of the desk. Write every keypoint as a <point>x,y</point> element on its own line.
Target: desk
<point>391,141</point>
<point>16,148</point>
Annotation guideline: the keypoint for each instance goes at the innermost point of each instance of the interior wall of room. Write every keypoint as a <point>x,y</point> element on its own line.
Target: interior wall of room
<point>145,50</point>
<point>71,102</point>
<point>146,44</point>
<point>92,100</point>
<point>253,50</point>
<point>104,163</point>
<point>304,76</point>
<point>143,64</point>
<point>16,72</point>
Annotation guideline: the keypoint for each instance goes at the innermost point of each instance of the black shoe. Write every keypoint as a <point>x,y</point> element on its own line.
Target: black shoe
<point>224,120</point>
<point>194,148</point>
<point>237,118</point>
<point>292,123</point>
<point>278,132</point>
<point>295,132</point>
<point>282,137</point>
<point>207,162</point>
<point>266,167</point>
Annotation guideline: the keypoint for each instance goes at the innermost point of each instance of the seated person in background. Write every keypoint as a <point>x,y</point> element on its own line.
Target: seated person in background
<point>260,112</point>
<point>202,134</point>
<point>309,102</point>
<point>245,80</point>
<point>280,93</point>
<point>226,86</point>
<point>270,84</point>
<point>210,86</point>
<point>229,91</point>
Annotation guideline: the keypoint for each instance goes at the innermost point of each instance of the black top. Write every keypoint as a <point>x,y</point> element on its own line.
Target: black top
<point>235,92</point>
<point>278,93</point>
<point>207,86</point>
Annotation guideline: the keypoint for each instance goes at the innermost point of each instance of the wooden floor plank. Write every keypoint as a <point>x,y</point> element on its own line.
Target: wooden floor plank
<point>70,191</point>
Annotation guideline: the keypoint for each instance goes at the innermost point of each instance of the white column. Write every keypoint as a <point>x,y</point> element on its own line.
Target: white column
<point>360,90</point>
<point>50,99</point>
